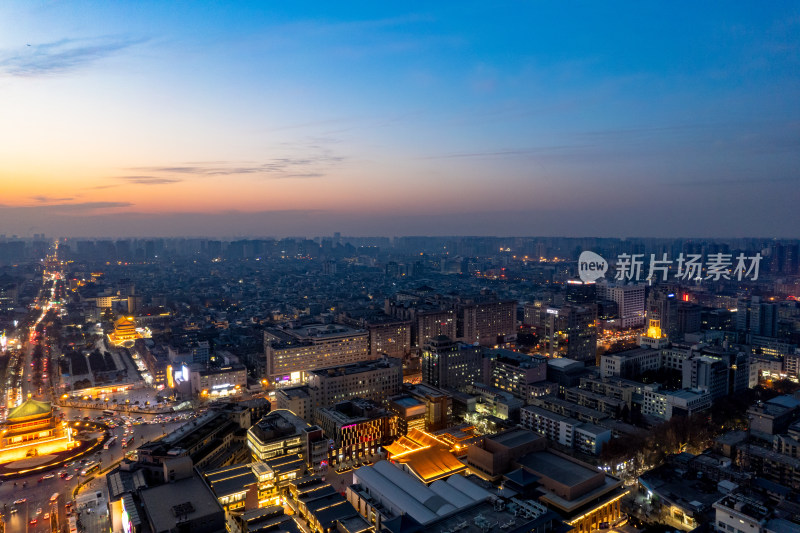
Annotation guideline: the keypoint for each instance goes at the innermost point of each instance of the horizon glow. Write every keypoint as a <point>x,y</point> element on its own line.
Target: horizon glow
<point>162,119</point>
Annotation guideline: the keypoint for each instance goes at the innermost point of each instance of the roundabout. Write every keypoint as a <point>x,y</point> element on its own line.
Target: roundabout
<point>34,440</point>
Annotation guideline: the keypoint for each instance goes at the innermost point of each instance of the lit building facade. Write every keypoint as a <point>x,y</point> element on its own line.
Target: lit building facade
<point>124,333</point>
<point>31,429</point>
<point>485,322</point>
<point>278,433</point>
<point>446,363</point>
<point>215,382</point>
<point>292,352</point>
<point>358,428</point>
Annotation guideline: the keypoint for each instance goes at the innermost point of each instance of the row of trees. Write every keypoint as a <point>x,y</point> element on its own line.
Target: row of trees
<point>651,447</point>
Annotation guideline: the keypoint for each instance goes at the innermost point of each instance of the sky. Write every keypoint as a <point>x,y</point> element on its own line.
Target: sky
<point>234,119</point>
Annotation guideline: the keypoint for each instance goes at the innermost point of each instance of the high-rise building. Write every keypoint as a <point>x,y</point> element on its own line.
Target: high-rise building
<point>581,293</point>
<point>662,305</point>
<point>571,332</point>
<point>708,374</point>
<point>276,434</point>
<point>484,322</point>
<point>630,302</point>
<point>449,364</point>
<point>514,372</point>
<point>690,318</point>
<point>432,323</point>
<point>757,317</point>
<point>389,337</point>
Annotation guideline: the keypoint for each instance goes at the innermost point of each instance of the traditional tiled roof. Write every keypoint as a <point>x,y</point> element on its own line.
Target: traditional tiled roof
<point>29,408</point>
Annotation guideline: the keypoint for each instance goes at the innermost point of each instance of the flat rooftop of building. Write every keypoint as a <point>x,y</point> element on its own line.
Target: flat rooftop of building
<point>427,390</point>
<point>188,497</point>
<point>278,424</point>
<point>635,352</point>
<point>685,394</point>
<point>781,525</point>
<point>786,400</point>
<point>295,392</point>
<point>563,363</point>
<point>484,516</point>
<point>515,437</point>
<point>407,401</point>
<point>548,414</point>
<point>767,453</point>
<point>592,429</point>
<point>516,358</point>
<point>573,407</point>
<point>350,411</point>
<point>325,330</point>
<point>355,368</point>
<point>557,468</point>
<point>596,396</point>
<point>222,370</point>
<point>750,506</point>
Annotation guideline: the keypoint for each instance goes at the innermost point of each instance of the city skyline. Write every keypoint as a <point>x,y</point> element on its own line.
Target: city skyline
<point>149,119</point>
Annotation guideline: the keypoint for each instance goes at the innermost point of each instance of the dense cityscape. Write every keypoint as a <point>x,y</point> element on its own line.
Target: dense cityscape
<point>408,384</point>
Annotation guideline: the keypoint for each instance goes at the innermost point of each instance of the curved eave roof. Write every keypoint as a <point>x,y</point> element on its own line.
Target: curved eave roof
<point>29,408</point>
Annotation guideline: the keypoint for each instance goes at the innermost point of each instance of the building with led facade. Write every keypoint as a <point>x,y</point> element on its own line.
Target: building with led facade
<point>358,429</point>
<point>31,429</point>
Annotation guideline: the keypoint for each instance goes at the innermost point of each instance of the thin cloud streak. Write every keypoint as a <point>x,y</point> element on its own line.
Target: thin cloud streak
<point>277,168</point>
<point>61,56</point>
<point>148,180</point>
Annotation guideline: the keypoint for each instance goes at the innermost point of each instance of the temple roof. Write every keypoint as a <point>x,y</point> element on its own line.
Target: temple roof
<point>124,321</point>
<point>29,408</point>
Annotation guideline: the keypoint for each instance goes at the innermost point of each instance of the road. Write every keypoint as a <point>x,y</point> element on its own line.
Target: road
<point>38,492</point>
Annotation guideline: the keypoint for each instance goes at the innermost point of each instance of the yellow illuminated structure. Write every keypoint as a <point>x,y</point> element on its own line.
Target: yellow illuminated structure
<point>31,430</point>
<point>124,332</point>
<point>654,338</point>
<point>654,329</point>
<point>424,456</point>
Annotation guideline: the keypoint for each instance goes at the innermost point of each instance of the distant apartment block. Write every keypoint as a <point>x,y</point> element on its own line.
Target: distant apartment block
<point>485,322</point>
<point>581,436</point>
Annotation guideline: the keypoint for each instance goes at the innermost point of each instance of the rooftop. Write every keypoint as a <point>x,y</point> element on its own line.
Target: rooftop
<point>29,408</point>
<point>356,368</point>
<point>278,424</point>
<point>564,363</point>
<point>515,437</point>
<point>407,401</point>
<point>557,468</point>
<point>188,498</point>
